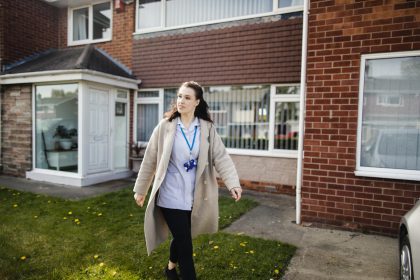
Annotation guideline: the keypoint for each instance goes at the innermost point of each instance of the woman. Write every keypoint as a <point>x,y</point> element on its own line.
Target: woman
<point>181,154</point>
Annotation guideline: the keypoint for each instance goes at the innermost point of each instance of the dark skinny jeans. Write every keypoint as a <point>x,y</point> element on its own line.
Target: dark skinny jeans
<point>181,250</point>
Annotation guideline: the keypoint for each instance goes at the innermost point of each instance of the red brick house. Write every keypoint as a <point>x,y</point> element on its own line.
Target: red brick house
<point>247,55</point>
<point>361,168</point>
<point>361,94</point>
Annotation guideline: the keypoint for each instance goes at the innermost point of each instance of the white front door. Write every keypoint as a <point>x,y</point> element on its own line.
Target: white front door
<point>98,131</point>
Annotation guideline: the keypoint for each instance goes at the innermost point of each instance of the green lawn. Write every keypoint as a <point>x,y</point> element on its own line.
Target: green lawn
<point>44,237</point>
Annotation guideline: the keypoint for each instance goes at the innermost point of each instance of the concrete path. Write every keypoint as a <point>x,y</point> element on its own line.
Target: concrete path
<point>322,253</point>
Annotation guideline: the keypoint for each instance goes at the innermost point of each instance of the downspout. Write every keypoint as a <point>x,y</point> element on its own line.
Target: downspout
<point>302,111</point>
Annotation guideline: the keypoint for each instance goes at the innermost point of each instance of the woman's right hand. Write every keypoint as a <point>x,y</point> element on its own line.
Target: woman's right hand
<point>139,199</point>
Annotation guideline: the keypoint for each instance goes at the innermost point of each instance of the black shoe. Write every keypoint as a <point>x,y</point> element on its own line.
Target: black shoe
<point>171,274</point>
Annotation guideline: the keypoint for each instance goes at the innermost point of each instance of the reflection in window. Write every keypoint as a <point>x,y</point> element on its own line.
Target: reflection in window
<point>286,125</point>
<point>241,115</point>
<point>56,132</point>
<point>96,18</point>
<point>102,21</point>
<point>391,113</point>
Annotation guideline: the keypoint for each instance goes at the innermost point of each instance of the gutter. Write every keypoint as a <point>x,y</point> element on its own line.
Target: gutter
<point>302,111</point>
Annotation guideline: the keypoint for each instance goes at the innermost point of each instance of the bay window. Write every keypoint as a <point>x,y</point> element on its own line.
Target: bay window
<point>153,15</point>
<point>56,127</point>
<point>389,116</point>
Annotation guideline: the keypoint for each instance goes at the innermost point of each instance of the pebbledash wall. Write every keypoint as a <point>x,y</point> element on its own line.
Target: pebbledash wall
<point>340,32</point>
<point>257,51</point>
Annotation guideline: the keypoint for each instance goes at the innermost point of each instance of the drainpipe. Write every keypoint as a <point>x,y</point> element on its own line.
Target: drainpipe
<point>302,110</point>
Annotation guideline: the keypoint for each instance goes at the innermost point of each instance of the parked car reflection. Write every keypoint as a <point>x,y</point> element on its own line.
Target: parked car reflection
<point>409,239</point>
<point>393,148</point>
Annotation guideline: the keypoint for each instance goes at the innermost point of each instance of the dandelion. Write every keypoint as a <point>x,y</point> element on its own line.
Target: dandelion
<point>113,273</point>
<point>70,213</point>
<point>99,214</point>
<point>64,218</point>
<point>242,244</point>
<point>96,256</point>
<point>216,247</point>
<point>276,271</point>
<point>101,264</point>
<point>252,251</point>
<point>194,255</point>
<point>23,258</point>
<point>15,205</point>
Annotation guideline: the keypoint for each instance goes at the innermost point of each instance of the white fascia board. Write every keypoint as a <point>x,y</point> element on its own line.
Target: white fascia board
<point>69,75</point>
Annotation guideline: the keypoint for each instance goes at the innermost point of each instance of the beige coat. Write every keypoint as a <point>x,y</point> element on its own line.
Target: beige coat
<point>205,213</point>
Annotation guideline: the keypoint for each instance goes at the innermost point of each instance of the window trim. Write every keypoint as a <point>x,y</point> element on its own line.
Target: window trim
<point>146,100</point>
<point>388,173</point>
<point>276,11</point>
<point>70,41</point>
<point>271,152</point>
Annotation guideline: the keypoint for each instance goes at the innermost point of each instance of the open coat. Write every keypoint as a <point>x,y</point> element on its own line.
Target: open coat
<point>205,212</point>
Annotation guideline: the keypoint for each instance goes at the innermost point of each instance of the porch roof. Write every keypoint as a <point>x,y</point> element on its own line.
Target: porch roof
<point>86,58</point>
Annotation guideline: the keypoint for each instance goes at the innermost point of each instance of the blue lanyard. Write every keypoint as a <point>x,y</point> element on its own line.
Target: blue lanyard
<point>186,140</point>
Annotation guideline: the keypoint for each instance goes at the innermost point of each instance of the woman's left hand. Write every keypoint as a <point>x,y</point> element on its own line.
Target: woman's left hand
<point>236,193</point>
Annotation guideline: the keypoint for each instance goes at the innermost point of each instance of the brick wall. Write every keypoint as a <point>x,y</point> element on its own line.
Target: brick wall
<point>120,47</point>
<point>16,136</point>
<point>29,26</point>
<point>258,53</point>
<point>340,32</point>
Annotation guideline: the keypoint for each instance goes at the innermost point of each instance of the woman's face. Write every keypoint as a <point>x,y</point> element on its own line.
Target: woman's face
<point>186,100</point>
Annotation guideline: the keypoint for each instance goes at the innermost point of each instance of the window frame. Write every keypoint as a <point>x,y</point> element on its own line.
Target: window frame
<point>276,11</point>
<point>388,173</point>
<point>70,41</point>
<point>146,100</point>
<point>271,152</point>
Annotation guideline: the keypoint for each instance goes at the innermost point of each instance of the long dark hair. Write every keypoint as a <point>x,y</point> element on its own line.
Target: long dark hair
<point>202,109</point>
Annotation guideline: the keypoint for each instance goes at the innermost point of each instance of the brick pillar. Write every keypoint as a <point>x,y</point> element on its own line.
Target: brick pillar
<point>16,134</point>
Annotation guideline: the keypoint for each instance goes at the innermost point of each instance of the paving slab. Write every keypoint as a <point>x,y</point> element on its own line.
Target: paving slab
<point>322,253</point>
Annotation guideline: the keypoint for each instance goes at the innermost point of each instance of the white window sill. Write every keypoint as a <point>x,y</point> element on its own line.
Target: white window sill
<point>259,153</point>
<point>389,174</point>
<point>85,42</point>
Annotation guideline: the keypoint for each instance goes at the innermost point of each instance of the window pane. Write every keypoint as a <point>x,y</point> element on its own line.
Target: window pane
<point>147,119</point>
<point>181,12</point>
<point>169,99</point>
<point>102,21</point>
<point>286,125</point>
<point>80,24</point>
<point>241,115</point>
<point>290,3</point>
<point>289,90</point>
<point>149,13</point>
<point>56,128</point>
<point>391,114</point>
<point>151,93</point>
